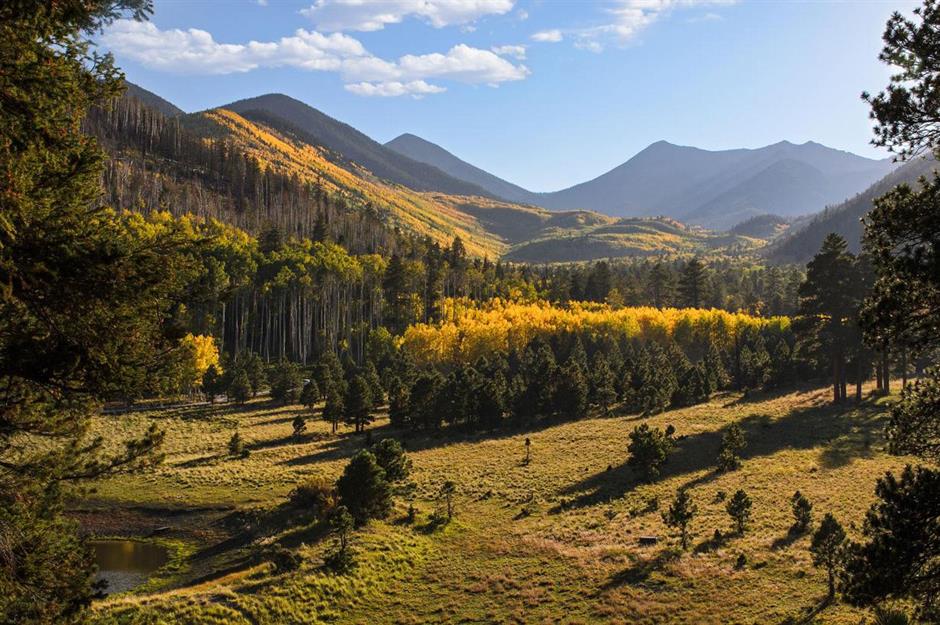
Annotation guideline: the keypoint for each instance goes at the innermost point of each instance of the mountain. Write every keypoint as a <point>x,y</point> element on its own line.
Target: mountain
<point>424,151</point>
<point>715,189</point>
<point>806,237</point>
<point>153,101</point>
<point>349,145</point>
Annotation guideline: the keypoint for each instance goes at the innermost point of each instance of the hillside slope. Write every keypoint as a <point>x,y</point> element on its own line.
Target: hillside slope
<point>845,219</point>
<point>349,144</point>
<point>423,151</point>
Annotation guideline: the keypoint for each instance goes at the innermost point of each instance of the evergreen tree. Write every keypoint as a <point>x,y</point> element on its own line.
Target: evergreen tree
<point>828,549</point>
<point>603,391</point>
<point>371,374</point>
<point>286,382</point>
<point>693,284</point>
<point>448,490</point>
<point>649,449</point>
<point>391,457</point>
<point>253,366</point>
<point>715,368</point>
<point>680,515</point>
<point>739,509</point>
<point>299,425</point>
<point>571,392</point>
<point>732,444</point>
<point>899,558</point>
<point>364,489</point>
<point>358,403</point>
<point>239,390</point>
<point>85,300</point>
<point>310,395</point>
<point>395,287</point>
<point>236,446</point>
<point>334,407</point>
<point>802,513</point>
<point>398,403</point>
<point>662,286</point>
<point>829,302</point>
<point>212,383</point>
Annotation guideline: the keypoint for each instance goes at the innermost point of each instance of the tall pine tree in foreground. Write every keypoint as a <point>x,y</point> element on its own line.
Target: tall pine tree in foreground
<point>85,301</point>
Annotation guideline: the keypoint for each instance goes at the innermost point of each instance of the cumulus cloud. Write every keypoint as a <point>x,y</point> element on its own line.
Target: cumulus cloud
<point>415,88</point>
<point>370,15</point>
<point>549,36</point>
<point>517,52</point>
<point>195,51</point>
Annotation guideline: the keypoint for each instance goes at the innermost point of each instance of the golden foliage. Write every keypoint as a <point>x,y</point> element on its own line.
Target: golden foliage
<point>470,330</point>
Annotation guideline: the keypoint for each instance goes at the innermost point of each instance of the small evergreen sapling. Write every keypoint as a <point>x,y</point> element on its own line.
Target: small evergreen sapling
<point>680,514</point>
<point>739,509</point>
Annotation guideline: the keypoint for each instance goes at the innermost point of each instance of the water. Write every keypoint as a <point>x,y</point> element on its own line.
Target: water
<point>126,564</point>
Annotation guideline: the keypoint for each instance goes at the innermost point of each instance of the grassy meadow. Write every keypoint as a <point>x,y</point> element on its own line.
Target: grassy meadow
<point>554,540</point>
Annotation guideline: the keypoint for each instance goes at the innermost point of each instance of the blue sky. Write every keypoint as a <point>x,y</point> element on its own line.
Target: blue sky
<point>543,93</point>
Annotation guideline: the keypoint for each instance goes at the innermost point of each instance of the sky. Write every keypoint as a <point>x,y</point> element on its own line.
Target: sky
<point>543,93</point>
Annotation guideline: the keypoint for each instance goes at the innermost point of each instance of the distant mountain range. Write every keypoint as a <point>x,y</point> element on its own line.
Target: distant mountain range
<point>663,200</point>
<point>715,189</point>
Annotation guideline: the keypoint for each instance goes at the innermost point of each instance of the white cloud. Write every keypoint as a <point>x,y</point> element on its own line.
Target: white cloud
<point>415,88</point>
<point>369,15</point>
<point>195,51</point>
<point>550,36</point>
<point>517,52</point>
<point>627,19</point>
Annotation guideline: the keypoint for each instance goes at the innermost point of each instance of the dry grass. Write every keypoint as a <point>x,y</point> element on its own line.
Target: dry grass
<point>551,541</point>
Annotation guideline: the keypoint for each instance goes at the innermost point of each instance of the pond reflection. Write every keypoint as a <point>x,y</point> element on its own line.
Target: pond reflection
<point>126,564</point>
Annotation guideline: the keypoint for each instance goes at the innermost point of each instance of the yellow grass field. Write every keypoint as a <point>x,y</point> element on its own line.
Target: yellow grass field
<point>552,541</point>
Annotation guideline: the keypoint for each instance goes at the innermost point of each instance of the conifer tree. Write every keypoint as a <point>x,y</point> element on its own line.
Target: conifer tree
<point>310,395</point>
<point>364,489</point>
<point>680,515</point>
<point>739,509</point>
<point>802,513</point>
<point>358,403</point>
<point>603,391</point>
<point>828,549</point>
<point>334,407</point>
<point>693,284</point>
<point>732,444</point>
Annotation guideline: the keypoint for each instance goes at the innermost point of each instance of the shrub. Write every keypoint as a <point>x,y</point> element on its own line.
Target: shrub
<point>236,446</point>
<point>316,496</point>
<point>680,514</point>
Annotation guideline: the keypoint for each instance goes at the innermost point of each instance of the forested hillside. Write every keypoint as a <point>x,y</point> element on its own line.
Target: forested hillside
<point>844,219</point>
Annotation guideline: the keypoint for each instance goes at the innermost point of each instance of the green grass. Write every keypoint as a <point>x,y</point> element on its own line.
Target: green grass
<point>554,540</point>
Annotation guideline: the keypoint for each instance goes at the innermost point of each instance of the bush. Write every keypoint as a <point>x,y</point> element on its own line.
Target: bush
<point>317,496</point>
<point>299,424</point>
<point>284,560</point>
<point>236,446</point>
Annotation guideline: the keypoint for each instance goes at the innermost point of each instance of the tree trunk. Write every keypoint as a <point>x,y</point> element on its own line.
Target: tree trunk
<point>886,365</point>
<point>835,377</point>
<point>858,379</point>
<point>903,368</point>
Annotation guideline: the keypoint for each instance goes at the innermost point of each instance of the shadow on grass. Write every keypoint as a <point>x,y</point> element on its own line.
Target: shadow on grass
<point>843,431</point>
<point>788,539</point>
<point>641,569</point>
<point>808,614</point>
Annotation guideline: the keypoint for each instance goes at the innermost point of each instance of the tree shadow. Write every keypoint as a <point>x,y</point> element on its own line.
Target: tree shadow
<point>787,539</point>
<point>840,429</point>
<point>641,569</point>
<point>808,614</point>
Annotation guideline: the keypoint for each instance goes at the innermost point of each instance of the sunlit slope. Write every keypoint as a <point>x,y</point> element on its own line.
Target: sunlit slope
<point>411,210</point>
<point>637,236</point>
<point>488,227</point>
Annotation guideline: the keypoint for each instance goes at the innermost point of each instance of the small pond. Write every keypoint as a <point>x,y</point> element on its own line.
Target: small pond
<point>126,564</point>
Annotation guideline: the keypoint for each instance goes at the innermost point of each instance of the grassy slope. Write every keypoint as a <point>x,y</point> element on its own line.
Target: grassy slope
<point>512,556</point>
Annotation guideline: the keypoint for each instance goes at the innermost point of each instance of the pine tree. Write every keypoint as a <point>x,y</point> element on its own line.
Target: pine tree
<point>649,449</point>
<point>732,444</point>
<point>680,515</point>
<point>391,457</point>
<point>358,403</point>
<point>802,513</point>
<point>299,426</point>
<point>239,390</point>
<point>334,407</point>
<point>310,395</point>
<point>286,382</point>
<point>364,489</point>
<point>693,284</point>
<point>371,374</point>
<point>212,383</point>
<point>828,549</point>
<point>571,392</point>
<point>739,509</point>
<point>603,391</point>
<point>84,303</point>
